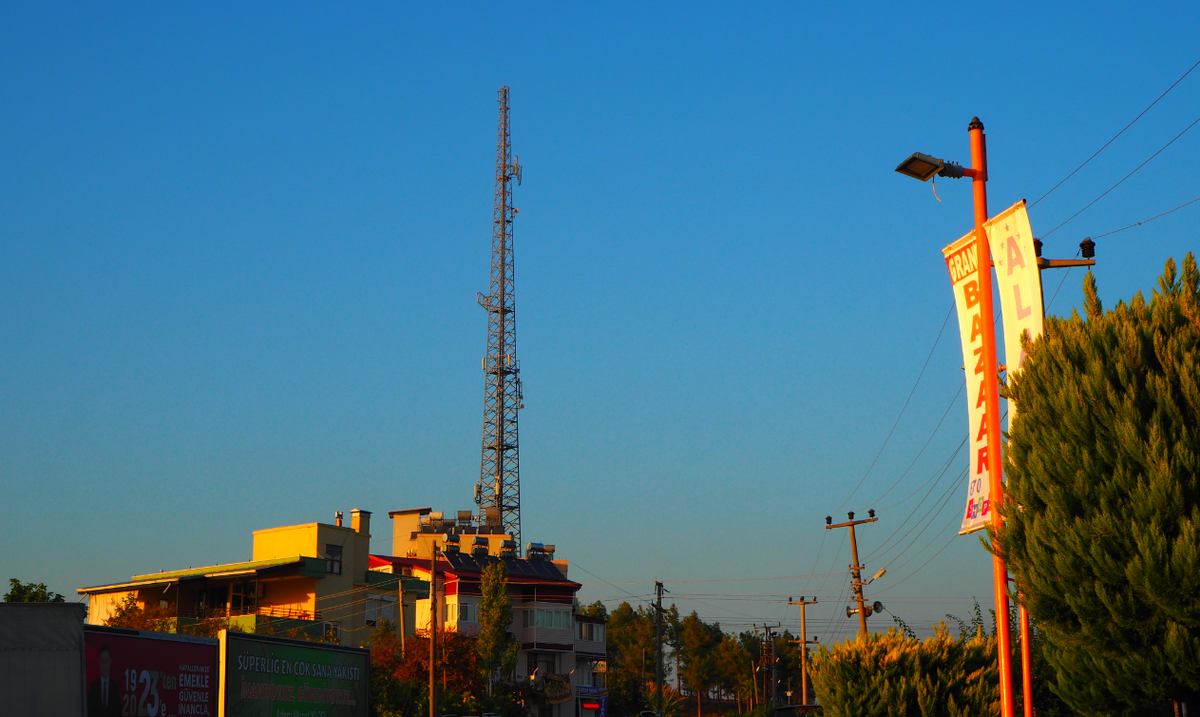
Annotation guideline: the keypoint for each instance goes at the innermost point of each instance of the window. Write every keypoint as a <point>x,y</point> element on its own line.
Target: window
<point>589,631</point>
<point>557,619</point>
<point>379,607</point>
<point>468,612</point>
<point>333,631</point>
<point>333,559</point>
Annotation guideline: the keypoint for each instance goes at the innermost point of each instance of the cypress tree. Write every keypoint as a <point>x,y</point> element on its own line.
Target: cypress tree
<point>1103,499</point>
<point>496,650</point>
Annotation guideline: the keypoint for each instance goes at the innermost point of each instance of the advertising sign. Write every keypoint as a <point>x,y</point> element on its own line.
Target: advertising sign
<point>264,676</point>
<point>134,673</point>
<point>961,261</point>
<point>1018,281</point>
<point>558,688</point>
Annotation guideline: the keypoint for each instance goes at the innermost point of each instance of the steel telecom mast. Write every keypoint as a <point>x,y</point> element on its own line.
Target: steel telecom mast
<point>498,492</point>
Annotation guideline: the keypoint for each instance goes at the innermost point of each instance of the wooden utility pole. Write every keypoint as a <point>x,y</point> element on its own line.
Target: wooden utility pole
<point>658,655</point>
<point>400,607</point>
<point>855,569</point>
<point>804,643</point>
<point>433,614</point>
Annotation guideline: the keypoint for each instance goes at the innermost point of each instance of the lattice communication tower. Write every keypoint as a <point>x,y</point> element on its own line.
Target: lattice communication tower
<point>498,492</point>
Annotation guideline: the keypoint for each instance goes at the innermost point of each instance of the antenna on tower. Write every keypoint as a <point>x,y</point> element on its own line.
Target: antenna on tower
<point>499,487</point>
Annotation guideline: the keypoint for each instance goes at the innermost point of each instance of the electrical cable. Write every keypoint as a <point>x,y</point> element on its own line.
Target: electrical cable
<point>1115,231</point>
<point>903,408</point>
<point>589,572</point>
<point>1118,134</point>
<point>940,472</point>
<point>1146,221</point>
<point>938,505</point>
<point>945,502</point>
<point>1127,176</point>
<point>931,476</point>
<point>927,562</point>
<point>922,451</point>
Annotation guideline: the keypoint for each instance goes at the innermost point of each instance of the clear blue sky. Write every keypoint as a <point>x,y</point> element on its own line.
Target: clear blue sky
<point>239,252</point>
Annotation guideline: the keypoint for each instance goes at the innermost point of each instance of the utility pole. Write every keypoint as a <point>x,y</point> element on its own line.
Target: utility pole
<point>433,613</point>
<point>658,657</point>
<point>855,569</point>
<point>804,643</point>
<point>768,656</point>
<point>498,492</point>
<point>774,670</point>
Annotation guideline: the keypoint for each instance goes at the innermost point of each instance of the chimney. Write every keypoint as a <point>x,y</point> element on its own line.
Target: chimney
<point>337,518</point>
<point>360,521</point>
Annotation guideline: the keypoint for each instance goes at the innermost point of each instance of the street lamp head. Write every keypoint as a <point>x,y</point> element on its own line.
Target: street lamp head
<point>920,166</point>
<point>923,167</point>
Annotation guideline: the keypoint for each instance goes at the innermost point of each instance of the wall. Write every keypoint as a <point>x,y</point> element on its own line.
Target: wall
<point>102,605</point>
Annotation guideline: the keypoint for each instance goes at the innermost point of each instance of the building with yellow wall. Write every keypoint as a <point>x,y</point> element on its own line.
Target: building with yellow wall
<point>313,578</point>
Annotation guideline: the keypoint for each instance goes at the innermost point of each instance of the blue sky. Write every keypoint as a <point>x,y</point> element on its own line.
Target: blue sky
<point>240,246</point>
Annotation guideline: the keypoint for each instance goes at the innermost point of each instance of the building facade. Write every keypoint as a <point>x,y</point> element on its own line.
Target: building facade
<point>313,578</point>
<point>559,649</point>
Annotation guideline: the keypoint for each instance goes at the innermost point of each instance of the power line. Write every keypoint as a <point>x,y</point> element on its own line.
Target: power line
<point>1127,176</point>
<point>948,496</point>
<point>939,552</point>
<point>945,466</point>
<point>1146,221</point>
<point>903,408</point>
<point>589,572</point>
<point>1115,231</point>
<point>1118,134</point>
<point>922,451</point>
<point>940,474</point>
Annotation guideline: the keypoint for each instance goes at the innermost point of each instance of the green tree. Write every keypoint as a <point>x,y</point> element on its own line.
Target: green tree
<point>630,647</point>
<point>699,664</point>
<point>497,651</point>
<point>30,592</point>
<point>596,609</point>
<point>889,675</point>
<point>1103,499</point>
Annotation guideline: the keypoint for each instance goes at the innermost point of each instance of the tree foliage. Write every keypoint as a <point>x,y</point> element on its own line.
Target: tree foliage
<point>888,675</point>
<point>1103,500</point>
<point>128,613</point>
<point>699,663</point>
<point>30,592</point>
<point>496,649</point>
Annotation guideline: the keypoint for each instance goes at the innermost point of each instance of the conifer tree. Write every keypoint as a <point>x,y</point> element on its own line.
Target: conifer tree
<point>1103,499</point>
<point>497,652</point>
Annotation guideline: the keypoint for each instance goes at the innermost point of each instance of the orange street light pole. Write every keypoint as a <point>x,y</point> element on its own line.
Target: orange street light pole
<point>924,167</point>
<point>1026,670</point>
<point>978,175</point>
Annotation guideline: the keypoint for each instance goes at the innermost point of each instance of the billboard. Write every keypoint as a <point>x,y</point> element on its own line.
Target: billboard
<point>263,676</point>
<point>134,673</point>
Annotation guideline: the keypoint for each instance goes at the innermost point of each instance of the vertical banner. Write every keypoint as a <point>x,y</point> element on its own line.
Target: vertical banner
<point>962,263</point>
<point>1018,281</point>
<point>1019,284</point>
<point>134,672</point>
